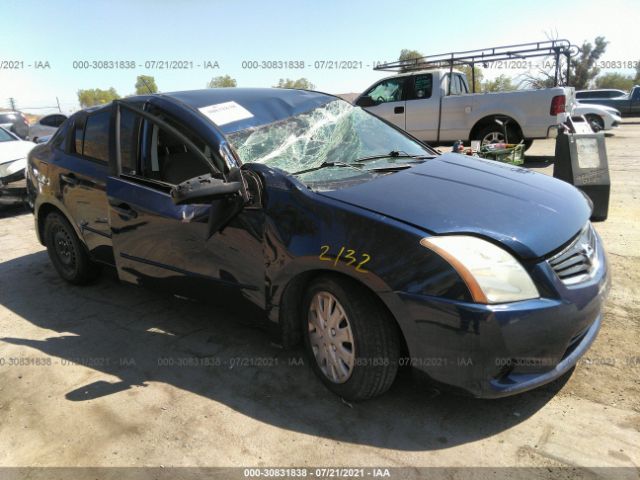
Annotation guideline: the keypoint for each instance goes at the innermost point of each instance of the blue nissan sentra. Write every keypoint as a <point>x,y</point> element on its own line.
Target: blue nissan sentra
<point>354,238</point>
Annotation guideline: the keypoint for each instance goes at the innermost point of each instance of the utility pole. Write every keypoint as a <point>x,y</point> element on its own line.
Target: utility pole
<point>58,102</point>
<point>12,103</point>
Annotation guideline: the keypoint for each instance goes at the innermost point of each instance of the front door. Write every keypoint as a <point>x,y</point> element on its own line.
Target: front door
<point>160,244</point>
<point>389,96</point>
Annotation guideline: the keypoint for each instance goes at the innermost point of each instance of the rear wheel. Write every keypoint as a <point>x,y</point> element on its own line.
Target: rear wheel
<point>353,344</point>
<point>494,133</point>
<point>596,122</point>
<point>67,253</point>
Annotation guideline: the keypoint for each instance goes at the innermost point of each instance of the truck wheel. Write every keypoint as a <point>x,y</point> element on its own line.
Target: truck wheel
<point>495,134</point>
<point>67,253</point>
<point>596,122</point>
<point>353,344</point>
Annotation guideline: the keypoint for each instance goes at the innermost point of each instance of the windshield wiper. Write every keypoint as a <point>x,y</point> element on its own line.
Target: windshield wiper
<point>329,164</point>
<point>394,154</point>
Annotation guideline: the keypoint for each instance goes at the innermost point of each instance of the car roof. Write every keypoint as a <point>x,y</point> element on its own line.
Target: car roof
<point>265,105</point>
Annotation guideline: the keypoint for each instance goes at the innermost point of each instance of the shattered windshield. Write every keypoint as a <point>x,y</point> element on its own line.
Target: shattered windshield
<point>334,135</point>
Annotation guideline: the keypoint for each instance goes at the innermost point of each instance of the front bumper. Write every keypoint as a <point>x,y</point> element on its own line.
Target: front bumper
<point>492,351</point>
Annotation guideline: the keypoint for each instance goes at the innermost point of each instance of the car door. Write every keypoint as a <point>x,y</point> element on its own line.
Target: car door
<point>160,244</point>
<point>82,169</point>
<point>389,97</point>
<point>422,108</point>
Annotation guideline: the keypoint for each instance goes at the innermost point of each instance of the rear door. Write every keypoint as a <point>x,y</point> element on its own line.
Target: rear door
<point>82,169</point>
<point>389,96</point>
<point>160,244</point>
<point>422,108</point>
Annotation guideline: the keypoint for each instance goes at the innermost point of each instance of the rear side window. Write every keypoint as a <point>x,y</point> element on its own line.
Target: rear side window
<point>130,125</point>
<point>96,136</point>
<point>59,137</point>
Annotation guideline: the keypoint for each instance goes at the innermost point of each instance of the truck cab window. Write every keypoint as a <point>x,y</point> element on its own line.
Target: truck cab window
<point>390,90</point>
<point>422,87</point>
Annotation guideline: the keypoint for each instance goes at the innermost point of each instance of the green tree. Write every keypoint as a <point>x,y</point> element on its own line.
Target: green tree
<point>301,84</point>
<point>222,81</point>
<point>406,54</point>
<point>478,77</point>
<point>146,84</point>
<point>502,83</point>
<point>96,96</point>
<point>615,80</point>
<point>582,68</point>
<point>636,79</point>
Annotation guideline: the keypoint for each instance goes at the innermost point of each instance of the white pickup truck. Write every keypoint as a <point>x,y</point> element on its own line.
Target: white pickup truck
<point>422,103</point>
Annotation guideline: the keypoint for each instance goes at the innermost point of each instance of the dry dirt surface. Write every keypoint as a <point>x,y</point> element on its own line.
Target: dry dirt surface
<point>114,375</point>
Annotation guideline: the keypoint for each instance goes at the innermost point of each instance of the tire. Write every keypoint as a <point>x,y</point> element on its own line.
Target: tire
<point>596,122</point>
<point>371,342</point>
<point>495,134</point>
<point>67,253</point>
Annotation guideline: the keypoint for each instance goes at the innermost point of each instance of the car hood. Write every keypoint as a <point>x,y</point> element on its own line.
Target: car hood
<point>530,213</point>
<point>10,151</point>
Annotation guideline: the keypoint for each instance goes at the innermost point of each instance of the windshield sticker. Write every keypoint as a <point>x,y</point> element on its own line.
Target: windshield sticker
<point>227,112</point>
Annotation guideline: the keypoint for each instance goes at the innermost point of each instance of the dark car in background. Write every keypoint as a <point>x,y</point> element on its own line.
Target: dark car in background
<point>600,93</point>
<point>365,244</point>
<point>15,122</point>
<point>627,104</point>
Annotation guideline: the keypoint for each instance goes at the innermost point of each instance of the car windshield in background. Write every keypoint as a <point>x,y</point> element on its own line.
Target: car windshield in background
<point>318,144</point>
<point>6,136</point>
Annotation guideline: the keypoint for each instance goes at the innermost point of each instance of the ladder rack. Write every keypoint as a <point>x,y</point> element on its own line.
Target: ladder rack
<point>484,56</point>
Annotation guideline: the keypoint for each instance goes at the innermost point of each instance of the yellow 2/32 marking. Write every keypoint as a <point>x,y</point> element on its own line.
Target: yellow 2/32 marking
<point>347,255</point>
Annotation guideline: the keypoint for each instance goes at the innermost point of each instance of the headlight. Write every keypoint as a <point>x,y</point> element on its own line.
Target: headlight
<point>491,273</point>
<point>12,167</point>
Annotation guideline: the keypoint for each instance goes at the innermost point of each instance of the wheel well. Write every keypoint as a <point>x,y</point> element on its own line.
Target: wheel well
<point>290,306</point>
<point>43,211</point>
<point>490,121</point>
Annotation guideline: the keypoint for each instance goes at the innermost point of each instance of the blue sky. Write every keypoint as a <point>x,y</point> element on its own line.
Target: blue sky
<point>231,32</point>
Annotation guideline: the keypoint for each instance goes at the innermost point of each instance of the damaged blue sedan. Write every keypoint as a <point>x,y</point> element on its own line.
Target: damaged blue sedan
<point>354,238</point>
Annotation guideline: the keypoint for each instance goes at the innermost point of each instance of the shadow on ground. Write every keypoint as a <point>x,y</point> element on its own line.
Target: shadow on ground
<point>7,211</point>
<point>148,337</point>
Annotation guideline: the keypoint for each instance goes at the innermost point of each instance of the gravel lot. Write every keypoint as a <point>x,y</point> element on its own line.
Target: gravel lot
<point>103,376</point>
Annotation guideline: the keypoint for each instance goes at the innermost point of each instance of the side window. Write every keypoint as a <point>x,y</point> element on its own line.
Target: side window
<point>390,90</point>
<point>463,84</point>
<point>422,87</point>
<point>78,137</point>
<point>59,137</point>
<point>130,127</point>
<point>96,136</point>
<point>48,121</point>
<point>455,85</point>
<point>151,152</point>
<point>58,120</point>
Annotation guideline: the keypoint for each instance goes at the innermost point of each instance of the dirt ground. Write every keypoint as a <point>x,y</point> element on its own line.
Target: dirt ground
<point>112,375</point>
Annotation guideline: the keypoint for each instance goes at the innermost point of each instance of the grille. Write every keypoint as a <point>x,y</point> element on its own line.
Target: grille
<point>578,261</point>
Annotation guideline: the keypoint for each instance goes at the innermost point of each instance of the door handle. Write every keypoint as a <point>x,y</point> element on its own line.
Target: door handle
<point>125,211</point>
<point>69,178</point>
<point>398,110</point>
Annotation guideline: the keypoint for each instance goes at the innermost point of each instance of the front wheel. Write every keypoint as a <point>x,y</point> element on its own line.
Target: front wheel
<point>353,343</point>
<point>67,253</point>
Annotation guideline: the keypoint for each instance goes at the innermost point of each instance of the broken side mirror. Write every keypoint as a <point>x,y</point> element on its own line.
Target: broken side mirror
<point>366,101</point>
<point>203,189</point>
